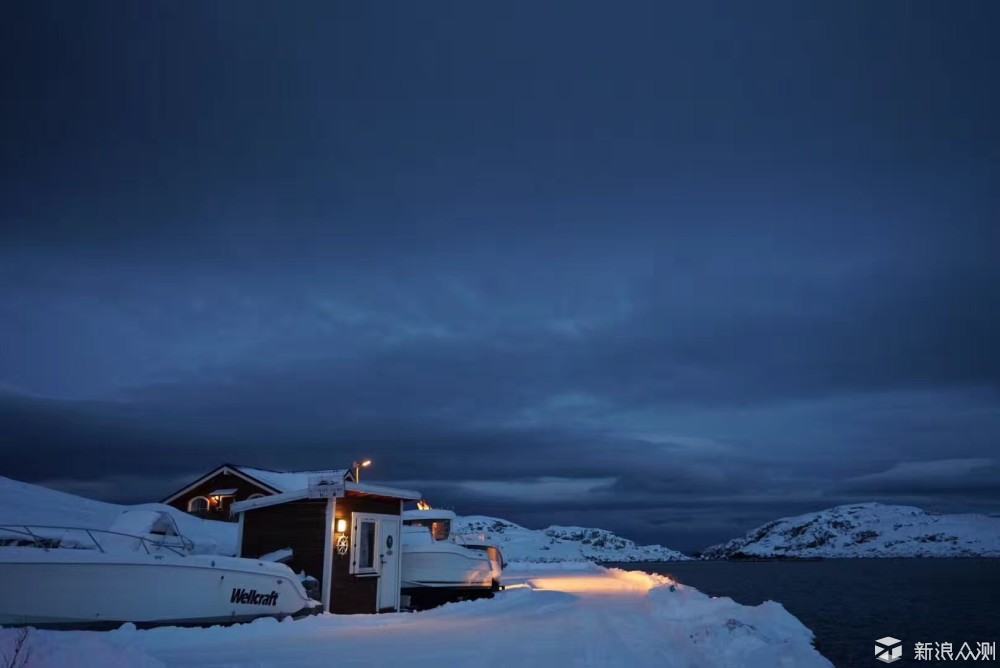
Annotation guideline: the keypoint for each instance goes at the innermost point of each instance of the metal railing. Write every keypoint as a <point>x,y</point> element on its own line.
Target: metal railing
<point>36,536</point>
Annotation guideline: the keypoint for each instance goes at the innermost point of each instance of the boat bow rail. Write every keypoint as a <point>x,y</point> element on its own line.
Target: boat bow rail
<point>48,537</point>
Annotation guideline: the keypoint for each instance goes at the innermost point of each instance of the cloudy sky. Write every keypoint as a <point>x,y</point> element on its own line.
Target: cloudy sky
<point>673,269</point>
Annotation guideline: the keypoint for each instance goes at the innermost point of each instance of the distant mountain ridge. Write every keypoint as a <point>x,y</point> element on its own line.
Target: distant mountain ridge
<point>560,544</point>
<point>867,530</point>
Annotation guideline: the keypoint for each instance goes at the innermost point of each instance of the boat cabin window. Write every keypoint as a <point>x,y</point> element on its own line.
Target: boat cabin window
<point>198,504</point>
<point>440,529</point>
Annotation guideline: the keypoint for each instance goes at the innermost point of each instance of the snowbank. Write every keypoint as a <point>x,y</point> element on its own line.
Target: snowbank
<point>47,650</point>
<point>551,617</point>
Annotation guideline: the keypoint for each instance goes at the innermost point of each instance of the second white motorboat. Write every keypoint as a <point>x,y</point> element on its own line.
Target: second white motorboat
<point>439,565</point>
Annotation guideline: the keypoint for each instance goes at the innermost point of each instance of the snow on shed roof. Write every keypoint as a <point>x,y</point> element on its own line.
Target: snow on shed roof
<point>289,481</point>
<point>296,495</point>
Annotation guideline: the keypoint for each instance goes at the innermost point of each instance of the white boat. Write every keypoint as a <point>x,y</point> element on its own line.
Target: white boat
<point>73,577</point>
<point>438,564</point>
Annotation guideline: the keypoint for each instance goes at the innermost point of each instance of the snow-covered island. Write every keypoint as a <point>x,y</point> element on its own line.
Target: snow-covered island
<point>866,530</point>
<point>559,543</point>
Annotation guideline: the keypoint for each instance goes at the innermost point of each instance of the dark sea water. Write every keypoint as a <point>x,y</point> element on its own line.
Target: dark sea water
<point>850,603</point>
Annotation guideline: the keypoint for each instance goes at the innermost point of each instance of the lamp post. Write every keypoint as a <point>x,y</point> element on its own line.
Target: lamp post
<point>357,468</point>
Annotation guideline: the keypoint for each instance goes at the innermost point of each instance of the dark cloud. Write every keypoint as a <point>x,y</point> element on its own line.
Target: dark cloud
<point>965,477</point>
<point>673,270</point>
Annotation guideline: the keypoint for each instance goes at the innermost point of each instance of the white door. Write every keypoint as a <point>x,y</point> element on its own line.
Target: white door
<point>389,550</point>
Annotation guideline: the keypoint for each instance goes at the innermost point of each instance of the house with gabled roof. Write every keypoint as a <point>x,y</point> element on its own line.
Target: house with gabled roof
<point>212,495</point>
<point>344,535</point>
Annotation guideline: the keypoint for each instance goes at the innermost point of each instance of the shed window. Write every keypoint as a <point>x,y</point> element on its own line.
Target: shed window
<point>198,504</point>
<point>363,546</point>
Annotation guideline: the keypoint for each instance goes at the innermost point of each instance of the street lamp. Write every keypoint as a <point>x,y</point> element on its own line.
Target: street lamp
<point>357,468</point>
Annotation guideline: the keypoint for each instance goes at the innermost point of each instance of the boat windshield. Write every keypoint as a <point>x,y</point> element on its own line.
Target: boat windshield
<point>440,529</point>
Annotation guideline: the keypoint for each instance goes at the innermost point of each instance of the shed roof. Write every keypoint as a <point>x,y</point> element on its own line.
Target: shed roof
<point>298,495</point>
<point>288,481</point>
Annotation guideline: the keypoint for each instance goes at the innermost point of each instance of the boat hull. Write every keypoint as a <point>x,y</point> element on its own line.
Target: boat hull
<point>83,588</point>
<point>496,559</point>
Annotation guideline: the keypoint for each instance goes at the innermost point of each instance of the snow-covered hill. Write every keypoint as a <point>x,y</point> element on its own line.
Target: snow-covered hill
<point>556,543</point>
<point>23,503</point>
<point>867,530</point>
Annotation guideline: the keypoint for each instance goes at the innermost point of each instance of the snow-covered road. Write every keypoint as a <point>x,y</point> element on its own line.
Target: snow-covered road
<point>574,617</point>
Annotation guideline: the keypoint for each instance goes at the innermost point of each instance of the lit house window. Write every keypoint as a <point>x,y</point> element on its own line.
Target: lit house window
<point>198,504</point>
<point>363,550</point>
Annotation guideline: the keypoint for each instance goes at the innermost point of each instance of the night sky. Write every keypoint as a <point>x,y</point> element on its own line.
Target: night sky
<point>671,269</point>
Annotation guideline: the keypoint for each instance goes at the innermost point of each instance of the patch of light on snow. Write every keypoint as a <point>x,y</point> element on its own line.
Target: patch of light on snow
<point>583,584</point>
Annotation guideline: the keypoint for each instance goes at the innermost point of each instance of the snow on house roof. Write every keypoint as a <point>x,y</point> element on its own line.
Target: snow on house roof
<point>288,481</point>
<point>275,482</point>
<point>224,492</point>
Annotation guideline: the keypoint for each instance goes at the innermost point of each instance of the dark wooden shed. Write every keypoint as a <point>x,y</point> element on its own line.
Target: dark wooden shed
<point>347,536</point>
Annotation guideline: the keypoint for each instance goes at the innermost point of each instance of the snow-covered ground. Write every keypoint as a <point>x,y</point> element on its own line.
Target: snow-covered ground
<point>560,608</point>
<point>557,543</point>
<point>867,530</point>
<point>23,503</point>
<point>561,615</point>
